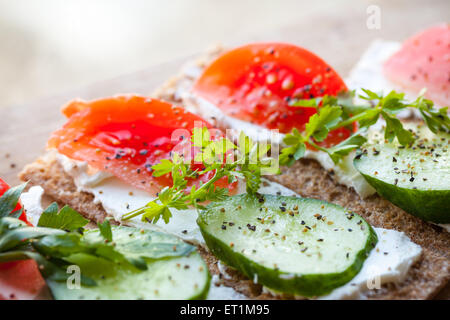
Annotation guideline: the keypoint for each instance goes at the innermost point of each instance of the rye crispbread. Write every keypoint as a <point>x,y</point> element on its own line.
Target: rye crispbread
<point>427,276</point>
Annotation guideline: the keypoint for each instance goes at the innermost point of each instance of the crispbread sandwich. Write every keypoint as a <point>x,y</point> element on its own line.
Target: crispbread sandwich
<point>284,238</point>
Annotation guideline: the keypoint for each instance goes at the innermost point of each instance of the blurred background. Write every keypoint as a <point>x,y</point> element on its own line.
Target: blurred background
<point>51,46</point>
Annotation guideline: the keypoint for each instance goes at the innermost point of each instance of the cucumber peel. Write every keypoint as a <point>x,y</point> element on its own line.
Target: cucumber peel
<point>291,245</point>
<point>415,178</point>
<point>167,276</point>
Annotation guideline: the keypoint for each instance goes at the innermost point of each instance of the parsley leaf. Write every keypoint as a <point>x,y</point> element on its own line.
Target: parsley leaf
<point>66,219</point>
<point>368,118</point>
<point>320,123</point>
<point>436,119</point>
<point>163,167</point>
<point>345,147</point>
<point>296,149</point>
<point>9,200</point>
<point>370,95</point>
<point>394,128</point>
<point>105,230</point>
<point>393,101</point>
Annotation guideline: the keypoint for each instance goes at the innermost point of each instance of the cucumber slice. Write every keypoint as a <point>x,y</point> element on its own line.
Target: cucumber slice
<point>167,276</point>
<point>291,245</point>
<point>414,178</point>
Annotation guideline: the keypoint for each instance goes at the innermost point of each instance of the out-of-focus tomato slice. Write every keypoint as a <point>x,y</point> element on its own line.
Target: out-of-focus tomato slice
<point>3,187</point>
<point>257,83</point>
<point>126,135</point>
<point>21,280</point>
<point>424,62</point>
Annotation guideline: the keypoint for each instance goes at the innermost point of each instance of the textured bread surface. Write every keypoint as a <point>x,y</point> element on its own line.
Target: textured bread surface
<point>306,177</point>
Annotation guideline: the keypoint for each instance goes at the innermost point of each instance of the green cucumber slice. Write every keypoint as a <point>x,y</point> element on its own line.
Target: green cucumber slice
<point>415,178</point>
<point>292,245</point>
<point>167,276</point>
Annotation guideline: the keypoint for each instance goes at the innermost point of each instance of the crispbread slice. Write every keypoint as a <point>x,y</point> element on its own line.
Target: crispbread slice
<point>425,278</point>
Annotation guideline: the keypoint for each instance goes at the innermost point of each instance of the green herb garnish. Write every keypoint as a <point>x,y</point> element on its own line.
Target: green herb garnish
<point>246,160</point>
<point>66,219</point>
<point>338,112</point>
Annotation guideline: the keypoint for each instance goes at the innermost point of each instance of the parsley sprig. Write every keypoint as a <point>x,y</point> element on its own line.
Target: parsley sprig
<point>247,160</point>
<point>338,112</point>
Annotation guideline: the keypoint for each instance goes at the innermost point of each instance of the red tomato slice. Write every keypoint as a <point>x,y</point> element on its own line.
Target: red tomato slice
<point>256,82</point>
<point>21,280</point>
<point>126,135</point>
<point>424,62</point>
<point>3,187</point>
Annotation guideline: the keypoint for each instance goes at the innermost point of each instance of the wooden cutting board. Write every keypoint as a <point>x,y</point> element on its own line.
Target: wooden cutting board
<point>340,37</point>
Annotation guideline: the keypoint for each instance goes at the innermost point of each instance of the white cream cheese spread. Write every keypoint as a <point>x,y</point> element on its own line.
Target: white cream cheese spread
<point>32,202</point>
